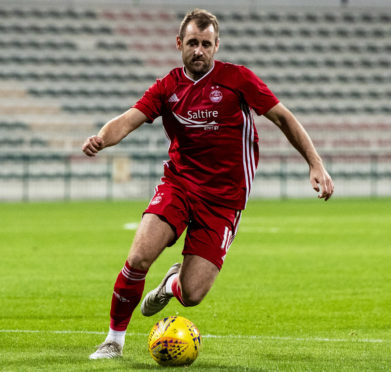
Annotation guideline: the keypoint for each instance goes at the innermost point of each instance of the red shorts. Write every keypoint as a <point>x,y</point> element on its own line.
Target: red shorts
<point>210,228</point>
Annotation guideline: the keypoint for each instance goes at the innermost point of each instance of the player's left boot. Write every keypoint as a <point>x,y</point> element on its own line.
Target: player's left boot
<point>158,298</point>
<point>108,350</point>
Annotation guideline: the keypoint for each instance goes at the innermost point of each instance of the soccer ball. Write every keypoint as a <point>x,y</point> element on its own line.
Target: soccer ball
<point>174,341</point>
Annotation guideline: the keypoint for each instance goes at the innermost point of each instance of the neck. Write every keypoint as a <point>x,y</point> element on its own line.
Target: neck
<point>197,76</point>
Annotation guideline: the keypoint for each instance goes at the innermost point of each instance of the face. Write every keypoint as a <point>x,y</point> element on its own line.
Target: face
<point>198,49</point>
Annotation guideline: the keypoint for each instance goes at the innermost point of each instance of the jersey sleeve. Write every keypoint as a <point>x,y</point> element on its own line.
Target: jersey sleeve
<point>152,101</point>
<point>255,92</point>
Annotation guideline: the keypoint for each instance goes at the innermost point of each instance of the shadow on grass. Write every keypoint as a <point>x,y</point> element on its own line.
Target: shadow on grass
<point>195,367</point>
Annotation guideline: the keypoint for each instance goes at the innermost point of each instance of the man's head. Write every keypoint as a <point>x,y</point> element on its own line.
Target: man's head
<point>198,40</point>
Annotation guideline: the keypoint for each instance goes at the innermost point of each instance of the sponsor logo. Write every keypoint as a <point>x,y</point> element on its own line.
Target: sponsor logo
<point>193,119</point>
<point>202,114</point>
<point>215,95</point>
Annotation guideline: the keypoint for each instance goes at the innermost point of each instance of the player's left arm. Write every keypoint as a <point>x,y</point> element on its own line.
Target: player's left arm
<point>299,138</point>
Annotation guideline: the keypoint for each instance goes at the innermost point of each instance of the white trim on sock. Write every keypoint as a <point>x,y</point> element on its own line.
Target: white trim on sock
<point>169,284</point>
<point>116,336</point>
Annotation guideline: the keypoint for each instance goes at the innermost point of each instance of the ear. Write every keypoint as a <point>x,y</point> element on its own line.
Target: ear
<point>217,45</point>
<point>179,43</point>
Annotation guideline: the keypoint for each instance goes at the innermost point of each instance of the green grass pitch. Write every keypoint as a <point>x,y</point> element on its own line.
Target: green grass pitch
<point>306,286</point>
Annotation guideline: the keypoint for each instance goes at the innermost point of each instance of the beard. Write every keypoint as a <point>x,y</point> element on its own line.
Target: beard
<point>198,66</point>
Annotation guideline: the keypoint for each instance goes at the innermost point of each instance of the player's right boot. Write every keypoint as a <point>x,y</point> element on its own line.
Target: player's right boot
<point>158,298</point>
<point>107,350</point>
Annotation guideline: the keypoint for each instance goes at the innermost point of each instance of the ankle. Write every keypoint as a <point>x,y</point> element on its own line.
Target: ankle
<point>116,336</point>
<point>169,282</point>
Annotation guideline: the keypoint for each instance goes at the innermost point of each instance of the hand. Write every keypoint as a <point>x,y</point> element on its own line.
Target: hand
<point>93,145</point>
<point>321,182</point>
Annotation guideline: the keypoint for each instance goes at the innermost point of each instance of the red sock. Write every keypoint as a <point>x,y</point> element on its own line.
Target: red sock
<point>128,290</point>
<point>176,290</point>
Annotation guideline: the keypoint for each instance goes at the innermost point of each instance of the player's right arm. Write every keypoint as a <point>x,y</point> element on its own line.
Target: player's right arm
<point>114,131</point>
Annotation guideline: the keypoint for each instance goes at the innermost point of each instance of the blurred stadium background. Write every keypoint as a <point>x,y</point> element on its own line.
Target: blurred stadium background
<point>66,67</point>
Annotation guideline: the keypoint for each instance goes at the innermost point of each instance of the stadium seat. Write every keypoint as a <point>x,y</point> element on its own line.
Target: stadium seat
<point>80,63</point>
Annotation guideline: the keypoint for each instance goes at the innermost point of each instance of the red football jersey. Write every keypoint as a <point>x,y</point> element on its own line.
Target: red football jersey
<point>214,143</point>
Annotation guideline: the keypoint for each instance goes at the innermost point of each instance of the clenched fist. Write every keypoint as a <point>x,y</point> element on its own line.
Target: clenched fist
<point>93,145</point>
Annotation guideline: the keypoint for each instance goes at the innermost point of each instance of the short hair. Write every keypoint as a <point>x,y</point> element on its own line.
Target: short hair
<point>202,19</point>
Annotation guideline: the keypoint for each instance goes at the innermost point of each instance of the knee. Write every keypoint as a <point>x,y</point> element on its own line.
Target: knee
<point>141,255</point>
<point>139,262</point>
<point>192,298</point>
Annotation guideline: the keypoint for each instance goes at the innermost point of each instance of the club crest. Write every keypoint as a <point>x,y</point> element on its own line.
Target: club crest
<point>215,95</point>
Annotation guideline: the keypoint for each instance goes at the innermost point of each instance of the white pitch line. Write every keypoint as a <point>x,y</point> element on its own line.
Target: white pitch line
<point>131,226</point>
<point>49,331</point>
<point>249,337</point>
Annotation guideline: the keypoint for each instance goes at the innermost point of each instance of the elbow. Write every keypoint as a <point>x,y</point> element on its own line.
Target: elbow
<point>281,121</point>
